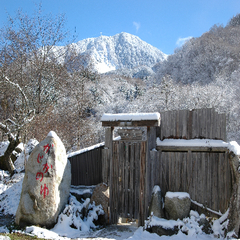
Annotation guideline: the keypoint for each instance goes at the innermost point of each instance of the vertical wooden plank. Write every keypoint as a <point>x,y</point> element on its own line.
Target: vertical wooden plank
<point>137,147</point>
<point>166,165</point>
<point>203,122</point>
<point>169,170</point>
<point>222,179</point>
<point>189,172</point>
<point>203,176</point>
<point>190,125</point>
<point>104,165</point>
<point>108,145</point>
<point>193,177</point>
<point>174,171</point>
<point>215,180</point>
<point>126,179</point>
<point>177,170</point>
<point>153,168</point>
<point>213,123</point>
<point>210,179</point>
<point>184,173</point>
<point>173,123</point>
<point>142,185</point>
<point>208,123</point>
<point>121,178</point>
<point>178,125</point>
<point>224,136</point>
<point>200,177</point>
<point>113,200</point>
<point>163,182</point>
<point>131,193</point>
<point>159,172</point>
<point>184,124</point>
<point>228,183</point>
<point>223,126</point>
<point>194,124</point>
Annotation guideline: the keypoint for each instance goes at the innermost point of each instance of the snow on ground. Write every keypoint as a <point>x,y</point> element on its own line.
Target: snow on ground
<point>71,224</point>
<point>3,147</point>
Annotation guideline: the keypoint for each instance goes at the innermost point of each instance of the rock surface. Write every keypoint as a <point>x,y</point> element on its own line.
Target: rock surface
<point>177,205</point>
<point>101,196</point>
<point>46,184</point>
<point>155,207</point>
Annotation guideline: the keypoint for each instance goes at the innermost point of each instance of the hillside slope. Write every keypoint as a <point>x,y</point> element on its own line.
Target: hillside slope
<point>214,55</point>
<point>120,51</point>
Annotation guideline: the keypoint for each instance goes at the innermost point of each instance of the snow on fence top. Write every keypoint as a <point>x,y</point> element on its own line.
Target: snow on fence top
<point>130,116</point>
<point>231,146</point>
<point>131,119</point>
<point>86,149</point>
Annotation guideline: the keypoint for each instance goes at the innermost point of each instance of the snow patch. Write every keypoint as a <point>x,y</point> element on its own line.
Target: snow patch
<point>234,147</point>
<point>179,195</point>
<point>3,147</point>
<point>52,134</point>
<point>156,189</point>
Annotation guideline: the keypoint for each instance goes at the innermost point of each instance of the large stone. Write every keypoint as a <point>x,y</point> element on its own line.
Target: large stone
<point>162,226</point>
<point>101,197</point>
<point>46,185</point>
<point>177,205</point>
<point>155,207</point>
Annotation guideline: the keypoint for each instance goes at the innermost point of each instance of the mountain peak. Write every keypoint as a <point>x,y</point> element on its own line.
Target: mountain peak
<point>122,50</point>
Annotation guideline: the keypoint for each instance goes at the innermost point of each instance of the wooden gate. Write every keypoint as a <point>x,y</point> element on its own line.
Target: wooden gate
<point>127,180</point>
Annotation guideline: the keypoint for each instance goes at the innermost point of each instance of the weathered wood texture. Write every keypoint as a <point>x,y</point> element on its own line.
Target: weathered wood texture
<point>131,168</point>
<point>141,123</point>
<point>198,123</point>
<point>127,181</point>
<point>86,168</point>
<point>206,176</point>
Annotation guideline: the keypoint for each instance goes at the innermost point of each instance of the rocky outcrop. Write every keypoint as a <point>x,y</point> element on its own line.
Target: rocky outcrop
<point>46,185</point>
<point>177,205</point>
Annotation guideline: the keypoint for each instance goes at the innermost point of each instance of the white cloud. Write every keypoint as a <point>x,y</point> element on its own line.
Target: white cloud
<point>137,25</point>
<point>182,41</point>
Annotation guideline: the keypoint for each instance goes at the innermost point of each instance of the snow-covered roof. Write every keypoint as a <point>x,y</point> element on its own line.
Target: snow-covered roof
<point>130,116</point>
<point>86,149</point>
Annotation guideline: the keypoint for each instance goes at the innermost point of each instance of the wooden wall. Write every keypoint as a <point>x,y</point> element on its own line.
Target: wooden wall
<point>206,176</point>
<point>198,123</point>
<point>86,168</point>
<point>135,169</point>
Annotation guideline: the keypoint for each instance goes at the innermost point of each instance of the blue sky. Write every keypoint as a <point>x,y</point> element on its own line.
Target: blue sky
<point>161,23</point>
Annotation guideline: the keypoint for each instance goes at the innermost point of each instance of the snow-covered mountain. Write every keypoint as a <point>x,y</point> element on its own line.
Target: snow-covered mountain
<point>120,51</point>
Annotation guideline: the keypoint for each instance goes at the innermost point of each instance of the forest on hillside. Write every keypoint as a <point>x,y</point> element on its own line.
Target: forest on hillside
<point>42,89</point>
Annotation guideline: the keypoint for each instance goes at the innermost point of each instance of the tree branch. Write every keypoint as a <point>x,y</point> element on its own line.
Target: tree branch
<point>19,88</point>
<point>7,130</point>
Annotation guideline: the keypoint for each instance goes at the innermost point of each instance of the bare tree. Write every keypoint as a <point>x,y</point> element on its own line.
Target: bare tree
<point>31,72</point>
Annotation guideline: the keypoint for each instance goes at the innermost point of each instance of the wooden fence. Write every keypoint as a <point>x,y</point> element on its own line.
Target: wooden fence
<point>131,168</point>
<point>127,186</point>
<point>205,175</point>
<point>198,123</point>
<point>87,167</point>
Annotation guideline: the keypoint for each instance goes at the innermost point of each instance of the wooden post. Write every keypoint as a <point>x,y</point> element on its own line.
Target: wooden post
<point>107,154</point>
